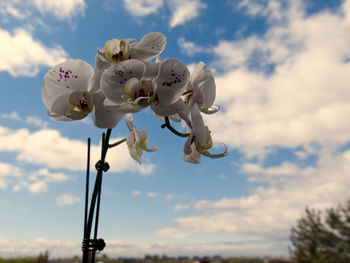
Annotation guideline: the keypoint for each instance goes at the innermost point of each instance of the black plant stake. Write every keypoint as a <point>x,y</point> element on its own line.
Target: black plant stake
<point>90,246</point>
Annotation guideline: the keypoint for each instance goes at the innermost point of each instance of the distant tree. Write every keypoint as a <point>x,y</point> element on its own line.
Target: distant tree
<point>43,257</point>
<point>321,236</point>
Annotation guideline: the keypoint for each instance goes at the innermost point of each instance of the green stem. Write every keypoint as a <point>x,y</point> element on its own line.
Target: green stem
<point>171,128</point>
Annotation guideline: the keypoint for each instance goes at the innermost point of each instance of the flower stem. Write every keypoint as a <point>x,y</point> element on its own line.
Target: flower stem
<point>171,128</point>
<point>101,166</point>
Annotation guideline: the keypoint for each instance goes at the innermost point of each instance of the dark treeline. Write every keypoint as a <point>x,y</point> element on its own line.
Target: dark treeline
<point>44,258</point>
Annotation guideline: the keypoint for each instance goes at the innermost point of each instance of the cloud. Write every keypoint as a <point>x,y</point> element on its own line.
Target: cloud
<point>184,11</point>
<point>37,122</point>
<point>21,55</point>
<point>24,10</point>
<point>276,206</point>
<point>47,147</point>
<point>11,116</point>
<point>152,194</point>
<point>190,48</point>
<point>142,8</point>
<point>118,248</point>
<point>36,182</point>
<point>6,172</point>
<point>32,120</point>
<point>61,9</point>
<point>136,193</point>
<point>179,207</point>
<point>67,199</point>
<point>286,88</point>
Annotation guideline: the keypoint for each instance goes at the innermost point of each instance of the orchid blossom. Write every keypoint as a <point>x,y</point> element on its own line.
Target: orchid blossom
<point>201,89</point>
<point>67,96</point>
<point>125,81</point>
<point>199,141</point>
<point>65,90</point>
<point>116,51</point>
<point>150,46</point>
<point>128,88</point>
<point>136,140</point>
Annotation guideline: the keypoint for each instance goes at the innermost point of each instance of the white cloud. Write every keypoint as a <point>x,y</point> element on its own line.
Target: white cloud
<point>136,193</point>
<point>7,171</point>
<point>61,9</point>
<point>47,147</point>
<point>276,206</point>
<point>35,121</point>
<point>119,248</point>
<point>22,55</point>
<point>184,11</point>
<point>179,207</point>
<point>169,197</point>
<point>152,194</point>
<point>190,48</point>
<point>46,175</point>
<point>26,10</point>
<point>11,116</point>
<point>32,120</point>
<point>67,199</point>
<point>142,8</point>
<point>288,87</point>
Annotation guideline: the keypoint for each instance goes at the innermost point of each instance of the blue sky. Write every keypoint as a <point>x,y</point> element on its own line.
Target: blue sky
<point>282,79</point>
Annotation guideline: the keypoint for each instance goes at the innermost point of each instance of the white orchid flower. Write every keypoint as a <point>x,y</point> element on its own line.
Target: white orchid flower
<point>65,90</point>
<point>199,141</point>
<point>150,46</point>
<point>137,140</point>
<point>128,88</point>
<point>104,117</point>
<point>202,89</point>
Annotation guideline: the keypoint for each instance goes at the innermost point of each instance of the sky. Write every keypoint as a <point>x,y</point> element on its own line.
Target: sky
<point>282,83</point>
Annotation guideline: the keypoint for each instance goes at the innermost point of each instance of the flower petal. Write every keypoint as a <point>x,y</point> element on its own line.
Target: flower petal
<point>115,77</point>
<point>194,157</point>
<point>102,116</point>
<point>115,50</point>
<point>66,77</point>
<point>171,81</point>
<point>101,66</point>
<point>203,85</point>
<point>129,119</point>
<point>167,110</point>
<point>150,46</point>
<point>60,108</point>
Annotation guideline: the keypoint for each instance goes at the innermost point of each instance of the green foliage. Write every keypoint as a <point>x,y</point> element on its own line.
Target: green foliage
<point>322,237</point>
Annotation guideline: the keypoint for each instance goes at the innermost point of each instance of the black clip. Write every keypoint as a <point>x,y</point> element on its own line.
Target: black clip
<point>93,244</point>
<point>102,166</point>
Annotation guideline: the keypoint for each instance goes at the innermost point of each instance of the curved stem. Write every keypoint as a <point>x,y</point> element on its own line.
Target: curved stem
<point>171,128</point>
<point>116,143</point>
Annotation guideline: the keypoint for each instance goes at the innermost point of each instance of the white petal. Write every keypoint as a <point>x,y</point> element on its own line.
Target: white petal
<point>115,77</point>
<point>194,157</point>
<point>104,117</point>
<point>174,108</point>
<point>101,66</point>
<point>200,131</point>
<point>60,108</point>
<point>150,46</point>
<point>115,51</point>
<point>135,152</point>
<point>66,77</point>
<point>129,119</point>
<point>203,85</point>
<point>171,81</point>
<point>209,92</point>
<point>144,140</point>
